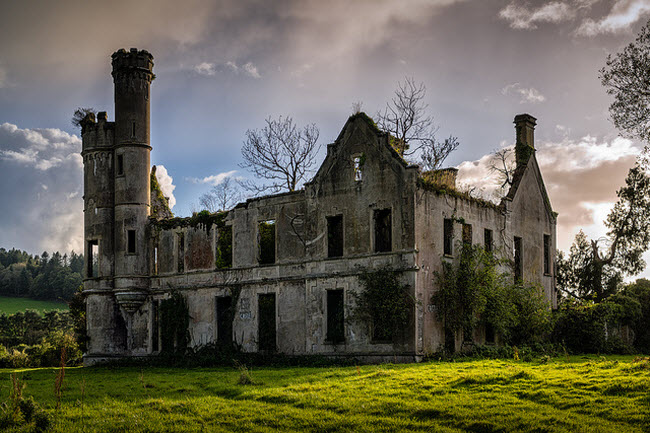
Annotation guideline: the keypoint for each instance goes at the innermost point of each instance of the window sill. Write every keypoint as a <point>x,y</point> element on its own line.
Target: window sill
<point>333,343</point>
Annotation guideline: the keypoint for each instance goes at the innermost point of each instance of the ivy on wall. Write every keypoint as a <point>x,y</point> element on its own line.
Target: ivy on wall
<point>384,303</point>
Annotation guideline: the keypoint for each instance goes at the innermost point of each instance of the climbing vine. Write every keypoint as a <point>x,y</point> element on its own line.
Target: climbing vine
<point>384,302</point>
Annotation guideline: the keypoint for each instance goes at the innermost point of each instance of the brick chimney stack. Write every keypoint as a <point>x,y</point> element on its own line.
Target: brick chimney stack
<point>525,145</point>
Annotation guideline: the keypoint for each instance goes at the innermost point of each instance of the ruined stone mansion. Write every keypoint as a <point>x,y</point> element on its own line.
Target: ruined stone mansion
<point>278,273</point>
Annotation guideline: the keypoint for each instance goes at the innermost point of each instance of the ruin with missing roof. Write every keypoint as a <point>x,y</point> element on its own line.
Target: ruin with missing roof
<point>278,273</point>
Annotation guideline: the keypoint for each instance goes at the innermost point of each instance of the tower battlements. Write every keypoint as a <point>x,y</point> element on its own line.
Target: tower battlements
<point>134,61</point>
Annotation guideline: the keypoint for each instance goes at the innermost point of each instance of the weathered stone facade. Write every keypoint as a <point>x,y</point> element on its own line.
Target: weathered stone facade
<point>278,266</point>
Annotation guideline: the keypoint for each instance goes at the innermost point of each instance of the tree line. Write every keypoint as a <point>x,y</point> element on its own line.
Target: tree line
<point>48,277</point>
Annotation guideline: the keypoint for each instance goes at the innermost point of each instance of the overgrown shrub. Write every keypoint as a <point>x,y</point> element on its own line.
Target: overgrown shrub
<point>586,327</point>
<point>473,291</point>
<point>22,414</point>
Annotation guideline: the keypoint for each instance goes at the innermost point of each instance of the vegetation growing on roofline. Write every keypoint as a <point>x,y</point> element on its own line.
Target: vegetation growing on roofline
<point>431,185</point>
<point>203,218</point>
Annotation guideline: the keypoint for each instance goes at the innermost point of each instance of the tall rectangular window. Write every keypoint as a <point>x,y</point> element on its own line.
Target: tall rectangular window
<point>467,234</point>
<point>335,316</point>
<point>487,239</point>
<point>92,259</point>
<point>133,130</point>
<point>155,326</point>
<point>448,240</point>
<point>335,236</point>
<point>266,322</point>
<point>120,165</point>
<point>267,242</point>
<point>130,241</point>
<point>224,248</point>
<point>155,260</point>
<point>181,253</point>
<point>358,174</point>
<point>518,259</point>
<point>383,231</point>
<point>547,254</point>
<point>224,320</point>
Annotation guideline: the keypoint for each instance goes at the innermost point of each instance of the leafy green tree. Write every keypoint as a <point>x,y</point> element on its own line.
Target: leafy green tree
<point>626,76</point>
<point>594,268</point>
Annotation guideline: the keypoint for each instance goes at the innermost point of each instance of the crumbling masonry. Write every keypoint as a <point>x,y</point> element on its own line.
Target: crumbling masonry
<point>277,273</point>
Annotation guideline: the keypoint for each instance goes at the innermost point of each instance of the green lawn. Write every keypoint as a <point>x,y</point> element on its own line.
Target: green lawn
<point>14,305</point>
<point>590,394</point>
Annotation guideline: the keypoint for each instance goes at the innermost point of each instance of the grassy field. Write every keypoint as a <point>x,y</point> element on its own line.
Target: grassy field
<point>14,305</point>
<point>580,394</point>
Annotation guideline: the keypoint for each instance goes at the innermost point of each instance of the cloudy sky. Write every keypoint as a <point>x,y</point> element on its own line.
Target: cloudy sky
<point>223,67</point>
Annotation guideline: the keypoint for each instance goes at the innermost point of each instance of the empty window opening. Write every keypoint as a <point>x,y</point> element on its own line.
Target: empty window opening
<point>335,316</point>
<point>224,320</point>
<point>518,259</point>
<point>266,322</point>
<point>487,239</point>
<point>467,234</point>
<point>267,242</point>
<point>383,231</point>
<point>489,333</point>
<point>358,175</point>
<point>155,260</point>
<point>93,259</point>
<point>450,340</point>
<point>181,252</point>
<point>547,254</point>
<point>120,165</point>
<point>133,129</point>
<point>155,326</point>
<point>130,235</point>
<point>448,236</point>
<point>224,248</point>
<point>335,236</point>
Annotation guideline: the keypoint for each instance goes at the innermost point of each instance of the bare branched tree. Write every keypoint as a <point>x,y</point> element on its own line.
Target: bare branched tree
<point>405,118</point>
<point>434,153</point>
<point>221,197</point>
<point>503,163</point>
<point>280,153</point>
<point>79,115</point>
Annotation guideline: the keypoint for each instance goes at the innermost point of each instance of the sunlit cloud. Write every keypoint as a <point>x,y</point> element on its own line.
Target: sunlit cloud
<point>522,17</point>
<point>526,94</point>
<point>214,179</point>
<point>166,183</point>
<point>623,15</point>
<point>205,68</point>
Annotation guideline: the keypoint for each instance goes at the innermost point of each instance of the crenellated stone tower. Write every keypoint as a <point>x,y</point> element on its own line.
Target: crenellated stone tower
<point>116,159</point>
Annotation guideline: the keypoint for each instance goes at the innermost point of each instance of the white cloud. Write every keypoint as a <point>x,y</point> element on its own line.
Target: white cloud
<point>247,69</point>
<point>41,188</point>
<point>205,69</point>
<point>251,70</point>
<point>40,148</point>
<point>523,17</point>
<point>166,184</point>
<point>624,13</point>
<point>214,179</point>
<point>527,94</point>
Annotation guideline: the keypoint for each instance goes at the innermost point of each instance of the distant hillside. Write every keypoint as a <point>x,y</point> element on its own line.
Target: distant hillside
<point>44,277</point>
<point>17,305</point>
